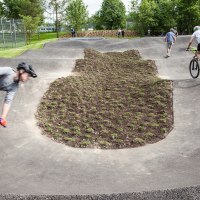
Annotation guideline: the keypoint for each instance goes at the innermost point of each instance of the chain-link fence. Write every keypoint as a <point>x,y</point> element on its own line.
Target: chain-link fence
<point>12,33</point>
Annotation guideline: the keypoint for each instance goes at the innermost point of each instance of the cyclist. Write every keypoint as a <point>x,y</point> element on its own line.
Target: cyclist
<point>73,32</point>
<point>9,82</point>
<point>170,39</point>
<point>195,35</point>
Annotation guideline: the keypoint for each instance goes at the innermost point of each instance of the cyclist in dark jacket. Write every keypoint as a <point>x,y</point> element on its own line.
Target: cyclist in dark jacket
<point>73,32</point>
<point>9,82</point>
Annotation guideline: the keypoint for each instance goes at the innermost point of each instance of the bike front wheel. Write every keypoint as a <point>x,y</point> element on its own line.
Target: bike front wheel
<point>194,68</point>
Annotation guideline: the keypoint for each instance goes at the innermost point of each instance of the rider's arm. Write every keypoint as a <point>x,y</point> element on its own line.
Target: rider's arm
<point>7,103</point>
<point>174,38</point>
<point>190,42</point>
<point>6,108</point>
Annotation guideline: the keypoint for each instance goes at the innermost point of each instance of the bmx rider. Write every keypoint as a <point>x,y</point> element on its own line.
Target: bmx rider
<point>195,35</point>
<point>9,82</point>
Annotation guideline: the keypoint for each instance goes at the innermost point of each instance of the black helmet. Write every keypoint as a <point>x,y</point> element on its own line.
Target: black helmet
<point>27,68</point>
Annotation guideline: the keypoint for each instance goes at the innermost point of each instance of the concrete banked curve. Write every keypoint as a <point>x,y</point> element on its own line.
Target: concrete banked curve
<point>33,164</point>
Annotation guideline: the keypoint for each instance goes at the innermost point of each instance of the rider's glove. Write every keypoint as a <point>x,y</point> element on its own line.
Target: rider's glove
<point>3,122</point>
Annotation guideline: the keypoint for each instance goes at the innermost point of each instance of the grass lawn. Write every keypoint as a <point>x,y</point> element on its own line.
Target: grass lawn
<point>113,100</point>
<point>45,36</point>
<point>35,44</point>
<point>13,52</point>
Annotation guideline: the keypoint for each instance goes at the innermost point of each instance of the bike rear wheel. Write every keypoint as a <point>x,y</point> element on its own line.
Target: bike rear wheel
<point>194,68</point>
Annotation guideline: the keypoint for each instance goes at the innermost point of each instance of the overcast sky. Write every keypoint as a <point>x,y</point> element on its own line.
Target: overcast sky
<point>95,5</point>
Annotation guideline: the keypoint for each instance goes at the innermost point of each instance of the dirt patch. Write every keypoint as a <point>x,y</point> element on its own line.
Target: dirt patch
<point>114,101</point>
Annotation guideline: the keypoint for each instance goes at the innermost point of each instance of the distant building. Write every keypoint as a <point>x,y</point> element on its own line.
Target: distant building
<point>44,29</point>
<point>90,29</point>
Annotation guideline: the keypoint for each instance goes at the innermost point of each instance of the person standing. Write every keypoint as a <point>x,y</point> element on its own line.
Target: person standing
<point>73,32</point>
<point>170,39</point>
<point>149,32</point>
<point>123,33</point>
<point>119,32</point>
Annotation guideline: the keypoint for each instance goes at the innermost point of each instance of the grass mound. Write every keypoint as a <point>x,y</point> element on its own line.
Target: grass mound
<point>114,100</point>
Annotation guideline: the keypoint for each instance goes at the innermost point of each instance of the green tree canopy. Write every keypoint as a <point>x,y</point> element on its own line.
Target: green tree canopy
<point>96,21</point>
<point>1,9</point>
<point>113,14</point>
<point>165,14</point>
<point>77,14</point>
<point>31,25</point>
<point>16,8</point>
<point>188,14</point>
<point>161,15</point>
<point>59,8</point>
<point>146,14</point>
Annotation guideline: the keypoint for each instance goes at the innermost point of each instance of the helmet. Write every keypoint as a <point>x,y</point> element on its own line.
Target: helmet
<point>171,29</point>
<point>196,28</point>
<point>27,68</point>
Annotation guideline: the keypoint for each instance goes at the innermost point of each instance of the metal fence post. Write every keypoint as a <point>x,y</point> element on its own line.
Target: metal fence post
<point>14,31</point>
<point>2,29</point>
<point>11,33</point>
<point>25,38</point>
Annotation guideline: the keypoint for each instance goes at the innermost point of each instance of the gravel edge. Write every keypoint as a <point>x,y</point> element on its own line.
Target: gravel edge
<point>186,193</point>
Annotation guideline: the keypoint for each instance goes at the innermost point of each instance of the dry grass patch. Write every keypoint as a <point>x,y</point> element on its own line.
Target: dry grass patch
<point>115,101</point>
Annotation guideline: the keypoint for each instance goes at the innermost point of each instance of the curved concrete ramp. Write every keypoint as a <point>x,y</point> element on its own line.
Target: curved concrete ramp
<point>86,38</point>
<point>33,164</point>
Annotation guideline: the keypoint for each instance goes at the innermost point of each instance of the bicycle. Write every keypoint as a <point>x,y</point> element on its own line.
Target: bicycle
<point>194,64</point>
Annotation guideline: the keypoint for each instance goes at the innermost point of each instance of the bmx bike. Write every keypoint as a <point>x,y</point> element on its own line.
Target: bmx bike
<point>194,65</point>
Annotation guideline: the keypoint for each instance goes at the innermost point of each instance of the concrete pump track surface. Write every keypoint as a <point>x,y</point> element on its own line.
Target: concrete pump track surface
<point>33,164</point>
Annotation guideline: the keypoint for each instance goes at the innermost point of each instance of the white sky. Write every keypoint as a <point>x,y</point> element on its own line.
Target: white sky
<point>95,5</point>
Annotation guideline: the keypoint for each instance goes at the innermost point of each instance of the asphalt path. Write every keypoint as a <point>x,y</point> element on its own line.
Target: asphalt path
<point>33,164</point>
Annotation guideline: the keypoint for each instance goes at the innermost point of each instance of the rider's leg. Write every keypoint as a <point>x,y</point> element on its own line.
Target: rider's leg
<point>198,54</point>
<point>169,49</point>
<point>198,51</point>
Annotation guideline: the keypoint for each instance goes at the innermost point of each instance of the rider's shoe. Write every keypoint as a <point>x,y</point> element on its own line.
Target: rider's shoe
<point>167,56</point>
<point>3,122</point>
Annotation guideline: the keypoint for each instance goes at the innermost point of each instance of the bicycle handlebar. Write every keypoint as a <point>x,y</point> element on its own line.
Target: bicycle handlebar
<point>193,49</point>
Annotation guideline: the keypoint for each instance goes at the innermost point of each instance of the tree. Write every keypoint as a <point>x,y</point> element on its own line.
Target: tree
<point>113,14</point>
<point>77,14</point>
<point>144,16</point>
<point>31,25</point>
<point>188,14</point>
<point>157,15</point>
<point>166,15</point>
<point>1,9</point>
<point>161,15</point>
<point>16,8</point>
<point>58,7</point>
<point>96,21</point>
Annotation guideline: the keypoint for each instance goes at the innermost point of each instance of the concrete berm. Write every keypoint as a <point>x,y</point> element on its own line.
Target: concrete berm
<point>36,167</point>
